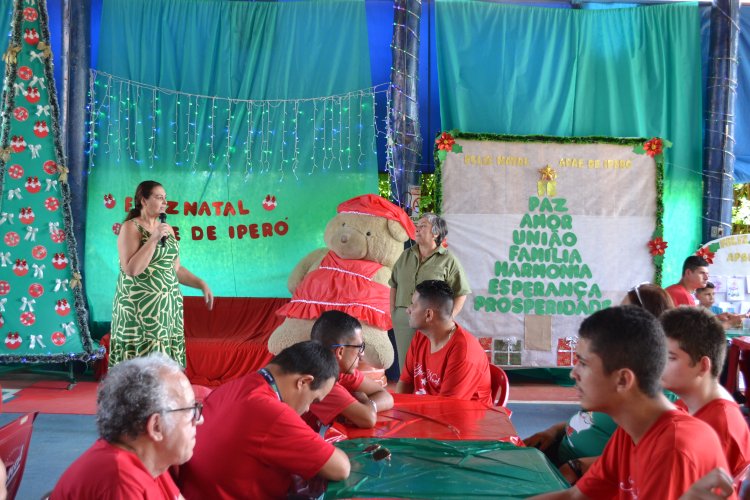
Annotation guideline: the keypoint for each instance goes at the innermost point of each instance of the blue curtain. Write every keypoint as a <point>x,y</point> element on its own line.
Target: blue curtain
<point>269,118</point>
<point>629,72</point>
<point>742,110</point>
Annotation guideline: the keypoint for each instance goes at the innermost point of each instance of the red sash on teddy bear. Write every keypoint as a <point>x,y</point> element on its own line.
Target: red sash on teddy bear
<point>342,285</point>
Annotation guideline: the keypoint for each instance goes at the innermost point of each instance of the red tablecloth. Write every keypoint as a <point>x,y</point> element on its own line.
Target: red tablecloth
<point>435,417</point>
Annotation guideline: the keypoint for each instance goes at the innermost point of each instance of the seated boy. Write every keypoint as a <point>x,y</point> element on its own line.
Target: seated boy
<point>658,451</point>
<point>697,346</point>
<point>354,397</point>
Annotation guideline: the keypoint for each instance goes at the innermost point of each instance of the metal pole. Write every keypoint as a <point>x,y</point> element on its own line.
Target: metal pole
<point>404,117</point>
<point>718,143</point>
<point>76,62</point>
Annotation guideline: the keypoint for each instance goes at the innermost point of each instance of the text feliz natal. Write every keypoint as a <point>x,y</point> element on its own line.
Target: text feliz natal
<point>219,209</point>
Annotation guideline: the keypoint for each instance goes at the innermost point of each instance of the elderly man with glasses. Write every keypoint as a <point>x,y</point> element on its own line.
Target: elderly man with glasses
<point>147,418</point>
<point>354,397</point>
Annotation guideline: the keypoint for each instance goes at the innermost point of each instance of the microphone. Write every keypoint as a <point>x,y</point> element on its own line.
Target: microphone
<point>163,219</point>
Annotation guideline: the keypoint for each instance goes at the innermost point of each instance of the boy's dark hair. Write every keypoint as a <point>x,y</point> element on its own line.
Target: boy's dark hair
<point>334,327</point>
<point>708,285</point>
<point>628,337</point>
<point>438,295</point>
<point>692,263</point>
<point>698,334</point>
<point>308,358</point>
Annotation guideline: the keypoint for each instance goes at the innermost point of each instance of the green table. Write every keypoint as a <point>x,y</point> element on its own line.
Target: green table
<point>736,333</point>
<point>426,468</point>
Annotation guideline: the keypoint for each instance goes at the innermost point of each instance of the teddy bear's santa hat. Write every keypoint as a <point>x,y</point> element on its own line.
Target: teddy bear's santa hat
<point>370,204</point>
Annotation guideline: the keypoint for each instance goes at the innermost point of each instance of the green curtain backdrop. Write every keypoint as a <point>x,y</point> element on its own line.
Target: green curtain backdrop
<point>631,72</point>
<point>253,120</point>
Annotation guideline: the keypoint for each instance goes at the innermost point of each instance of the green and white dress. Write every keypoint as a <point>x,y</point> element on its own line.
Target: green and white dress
<point>147,309</point>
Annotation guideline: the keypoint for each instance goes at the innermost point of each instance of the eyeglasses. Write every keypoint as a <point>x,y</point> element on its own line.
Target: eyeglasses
<point>378,452</point>
<point>197,410</point>
<point>360,347</point>
<point>638,293</point>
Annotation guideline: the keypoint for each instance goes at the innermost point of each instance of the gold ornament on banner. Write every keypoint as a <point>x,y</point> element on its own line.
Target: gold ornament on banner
<point>45,48</point>
<point>63,171</point>
<point>75,281</point>
<point>546,185</point>
<point>10,56</point>
<point>5,153</point>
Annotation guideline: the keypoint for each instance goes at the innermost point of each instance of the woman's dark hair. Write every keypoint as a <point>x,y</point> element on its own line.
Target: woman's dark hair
<point>142,192</point>
<point>652,298</point>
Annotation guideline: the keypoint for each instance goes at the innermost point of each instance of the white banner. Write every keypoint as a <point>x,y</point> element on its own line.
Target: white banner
<point>548,233</point>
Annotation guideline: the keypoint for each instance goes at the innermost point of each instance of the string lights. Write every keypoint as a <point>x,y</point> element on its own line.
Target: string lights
<point>143,123</point>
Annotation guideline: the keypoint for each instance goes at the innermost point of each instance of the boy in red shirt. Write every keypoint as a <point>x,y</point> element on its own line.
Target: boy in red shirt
<point>254,440</point>
<point>443,358</point>
<point>354,397</point>
<point>658,451</point>
<point>694,276</point>
<point>697,346</point>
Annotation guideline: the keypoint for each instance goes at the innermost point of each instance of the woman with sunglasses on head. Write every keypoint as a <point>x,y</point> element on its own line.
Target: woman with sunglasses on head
<point>574,445</point>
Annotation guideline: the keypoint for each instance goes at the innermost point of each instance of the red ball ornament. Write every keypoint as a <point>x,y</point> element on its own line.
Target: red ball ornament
<point>59,261</point>
<point>36,290</point>
<point>4,287</point>
<point>58,338</point>
<point>15,171</point>
<point>21,267</point>
<point>39,252</point>
<point>25,73</point>
<point>57,236</point>
<point>30,14</point>
<point>12,238</point>
<point>51,204</point>
<point>28,318</point>
<point>41,129</point>
<point>269,203</point>
<point>62,307</point>
<point>31,36</point>
<point>13,341</point>
<point>17,143</point>
<point>26,215</point>
<point>50,167</point>
<point>20,113</point>
<point>33,185</point>
<point>109,200</point>
<point>116,227</point>
<point>32,95</point>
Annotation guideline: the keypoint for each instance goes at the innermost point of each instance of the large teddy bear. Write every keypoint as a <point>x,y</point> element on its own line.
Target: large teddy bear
<point>363,242</point>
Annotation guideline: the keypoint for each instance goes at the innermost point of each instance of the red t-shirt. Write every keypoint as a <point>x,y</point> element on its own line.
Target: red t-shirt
<point>680,295</point>
<point>325,412</point>
<point>250,445</point>
<point>725,417</point>
<point>674,453</point>
<point>460,369</point>
<point>107,472</point>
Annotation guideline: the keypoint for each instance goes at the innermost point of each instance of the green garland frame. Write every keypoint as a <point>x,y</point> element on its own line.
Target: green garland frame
<point>438,154</point>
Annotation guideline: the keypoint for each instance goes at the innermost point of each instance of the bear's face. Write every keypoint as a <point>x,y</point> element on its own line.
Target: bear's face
<point>365,237</point>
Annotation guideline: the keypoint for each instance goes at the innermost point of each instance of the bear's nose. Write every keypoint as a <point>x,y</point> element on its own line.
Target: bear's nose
<point>344,238</point>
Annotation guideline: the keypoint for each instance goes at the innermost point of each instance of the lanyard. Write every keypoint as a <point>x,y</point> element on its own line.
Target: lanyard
<point>271,381</point>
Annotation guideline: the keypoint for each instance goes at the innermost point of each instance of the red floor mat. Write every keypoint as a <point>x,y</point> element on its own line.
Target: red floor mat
<point>52,396</point>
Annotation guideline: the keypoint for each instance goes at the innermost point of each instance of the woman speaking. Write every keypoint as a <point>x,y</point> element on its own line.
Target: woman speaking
<point>147,308</point>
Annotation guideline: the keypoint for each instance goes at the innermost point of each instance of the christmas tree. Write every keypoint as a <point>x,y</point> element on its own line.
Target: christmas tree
<point>43,316</point>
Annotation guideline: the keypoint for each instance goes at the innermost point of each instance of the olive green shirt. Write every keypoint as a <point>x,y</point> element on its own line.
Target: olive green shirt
<point>441,265</point>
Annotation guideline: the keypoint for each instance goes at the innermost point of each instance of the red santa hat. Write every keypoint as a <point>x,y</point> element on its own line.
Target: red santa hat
<point>370,204</point>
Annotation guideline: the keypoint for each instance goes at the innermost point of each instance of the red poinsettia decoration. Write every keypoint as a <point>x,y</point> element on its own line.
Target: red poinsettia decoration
<point>445,141</point>
<point>657,246</point>
<point>706,254</point>
<point>654,147</point>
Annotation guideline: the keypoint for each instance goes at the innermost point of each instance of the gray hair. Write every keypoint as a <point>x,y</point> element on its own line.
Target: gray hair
<point>131,392</point>
<point>439,226</point>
